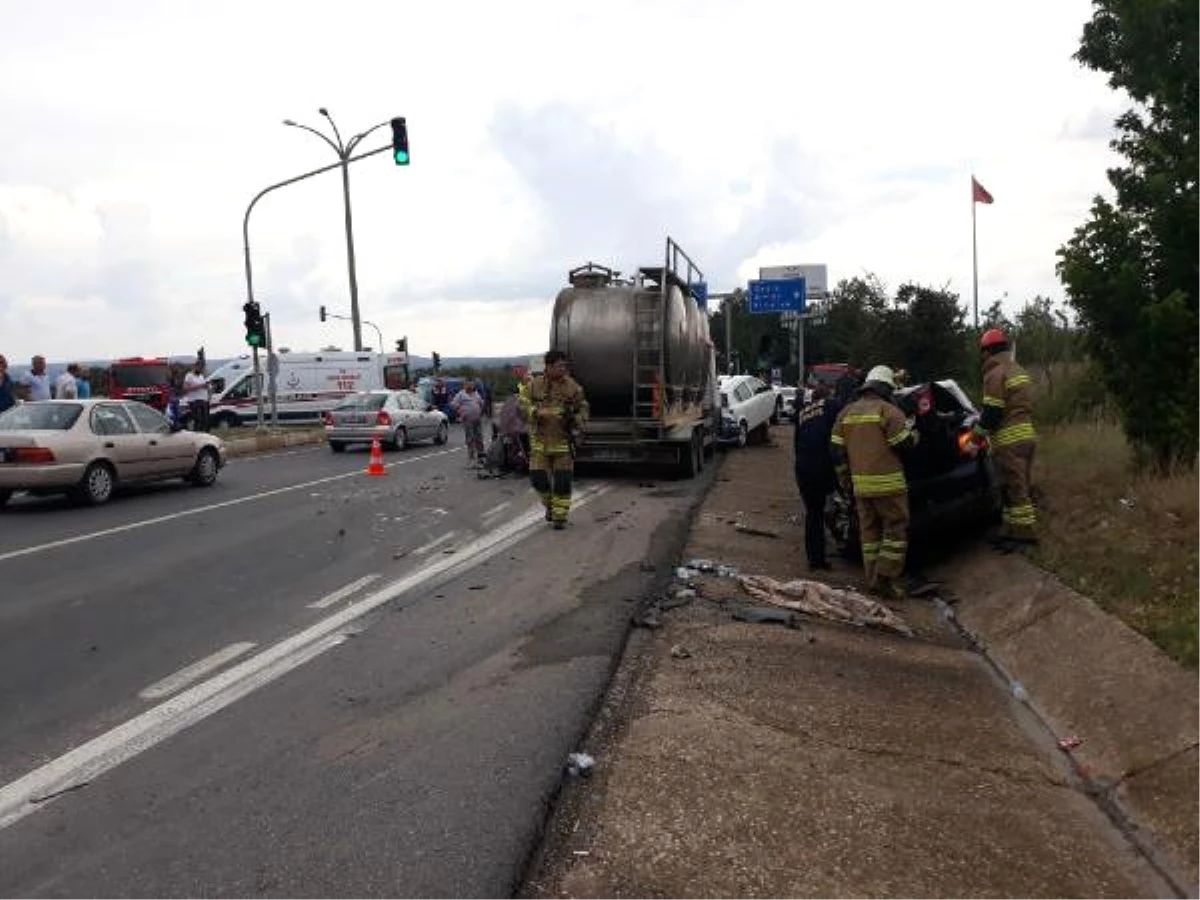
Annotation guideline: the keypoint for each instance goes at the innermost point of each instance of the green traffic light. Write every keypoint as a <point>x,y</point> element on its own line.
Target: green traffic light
<point>401,157</point>
<point>253,340</point>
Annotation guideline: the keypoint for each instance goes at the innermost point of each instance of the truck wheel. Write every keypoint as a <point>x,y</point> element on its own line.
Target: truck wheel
<point>686,466</point>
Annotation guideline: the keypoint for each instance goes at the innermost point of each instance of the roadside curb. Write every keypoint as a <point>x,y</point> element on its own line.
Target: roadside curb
<point>1126,715</point>
<point>244,446</point>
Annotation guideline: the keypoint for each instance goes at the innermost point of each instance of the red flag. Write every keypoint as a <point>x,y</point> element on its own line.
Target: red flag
<point>978,193</point>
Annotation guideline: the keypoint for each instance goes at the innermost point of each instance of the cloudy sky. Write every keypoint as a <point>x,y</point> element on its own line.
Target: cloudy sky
<point>543,135</point>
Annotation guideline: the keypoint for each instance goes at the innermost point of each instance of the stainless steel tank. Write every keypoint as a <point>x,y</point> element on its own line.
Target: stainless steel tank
<point>597,328</point>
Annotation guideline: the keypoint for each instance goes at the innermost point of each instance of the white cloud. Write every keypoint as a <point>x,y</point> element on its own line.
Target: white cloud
<point>543,135</point>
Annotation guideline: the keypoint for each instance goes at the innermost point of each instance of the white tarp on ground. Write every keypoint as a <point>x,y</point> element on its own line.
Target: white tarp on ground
<point>817,599</point>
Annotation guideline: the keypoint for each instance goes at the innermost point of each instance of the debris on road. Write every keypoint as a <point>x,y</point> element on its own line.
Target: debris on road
<point>821,600</point>
<point>580,765</point>
<point>757,532</point>
<point>767,615</point>
<point>680,652</point>
<point>1067,744</point>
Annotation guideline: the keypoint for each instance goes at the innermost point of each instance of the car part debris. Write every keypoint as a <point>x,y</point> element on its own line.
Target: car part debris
<point>580,765</point>
<point>680,652</point>
<point>766,615</point>
<point>823,601</point>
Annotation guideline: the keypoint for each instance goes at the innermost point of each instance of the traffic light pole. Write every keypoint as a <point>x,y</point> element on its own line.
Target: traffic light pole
<point>246,237</point>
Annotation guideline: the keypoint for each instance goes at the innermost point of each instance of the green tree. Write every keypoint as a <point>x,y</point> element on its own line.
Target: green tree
<point>1131,270</point>
<point>927,334</point>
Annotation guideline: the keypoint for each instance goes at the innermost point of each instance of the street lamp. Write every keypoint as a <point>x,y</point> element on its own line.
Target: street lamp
<point>344,151</point>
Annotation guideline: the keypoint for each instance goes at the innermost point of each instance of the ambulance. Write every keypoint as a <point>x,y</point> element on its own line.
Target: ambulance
<point>306,384</point>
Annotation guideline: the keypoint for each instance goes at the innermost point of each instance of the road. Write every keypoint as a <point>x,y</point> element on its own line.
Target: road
<point>304,681</point>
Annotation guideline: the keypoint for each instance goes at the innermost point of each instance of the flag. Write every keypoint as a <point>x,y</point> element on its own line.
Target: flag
<point>979,194</point>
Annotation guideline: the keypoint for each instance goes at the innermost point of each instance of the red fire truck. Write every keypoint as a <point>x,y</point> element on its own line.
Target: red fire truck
<point>141,378</point>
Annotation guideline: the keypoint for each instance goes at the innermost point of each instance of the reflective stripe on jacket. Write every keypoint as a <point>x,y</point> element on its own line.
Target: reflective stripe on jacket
<point>1008,395</point>
<point>551,408</point>
<point>866,435</point>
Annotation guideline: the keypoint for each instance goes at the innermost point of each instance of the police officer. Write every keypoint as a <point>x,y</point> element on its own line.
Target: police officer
<point>554,406</point>
<point>814,467</point>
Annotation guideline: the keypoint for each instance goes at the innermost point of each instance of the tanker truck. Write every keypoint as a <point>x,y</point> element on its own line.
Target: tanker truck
<point>640,349</point>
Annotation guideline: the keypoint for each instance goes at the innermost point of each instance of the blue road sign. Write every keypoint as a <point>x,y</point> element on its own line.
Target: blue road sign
<point>700,292</point>
<point>784,295</point>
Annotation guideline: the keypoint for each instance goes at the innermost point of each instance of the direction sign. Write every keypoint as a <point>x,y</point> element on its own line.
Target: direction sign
<point>777,296</point>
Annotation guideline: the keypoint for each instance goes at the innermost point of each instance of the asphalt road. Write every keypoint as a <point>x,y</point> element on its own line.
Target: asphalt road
<point>307,682</point>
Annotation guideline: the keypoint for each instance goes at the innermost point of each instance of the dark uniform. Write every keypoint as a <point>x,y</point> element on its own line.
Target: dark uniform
<point>814,472</point>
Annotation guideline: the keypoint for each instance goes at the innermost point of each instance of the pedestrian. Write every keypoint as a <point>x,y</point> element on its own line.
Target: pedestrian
<point>866,441</point>
<point>441,395</point>
<point>67,388</point>
<point>35,384</point>
<point>1007,423</point>
<point>83,383</point>
<point>554,407</point>
<point>196,396</point>
<point>815,476</point>
<point>8,388</point>
<point>468,409</point>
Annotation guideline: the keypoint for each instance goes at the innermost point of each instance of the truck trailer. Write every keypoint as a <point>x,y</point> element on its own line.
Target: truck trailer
<point>641,350</point>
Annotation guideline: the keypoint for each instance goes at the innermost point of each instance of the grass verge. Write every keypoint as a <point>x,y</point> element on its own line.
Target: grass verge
<point>1128,541</point>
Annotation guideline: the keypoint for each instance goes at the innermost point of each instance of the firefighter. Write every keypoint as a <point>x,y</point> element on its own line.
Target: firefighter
<point>1007,423</point>
<point>866,440</point>
<point>554,406</point>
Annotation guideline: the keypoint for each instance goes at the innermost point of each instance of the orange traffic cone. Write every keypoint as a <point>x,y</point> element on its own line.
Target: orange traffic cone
<point>376,465</point>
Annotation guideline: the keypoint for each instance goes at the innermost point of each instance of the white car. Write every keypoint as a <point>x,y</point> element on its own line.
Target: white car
<point>785,403</point>
<point>87,448</point>
<point>747,407</point>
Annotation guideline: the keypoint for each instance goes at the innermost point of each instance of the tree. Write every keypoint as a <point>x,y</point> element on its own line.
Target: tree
<point>1131,270</point>
<point>1044,338</point>
<point>927,334</point>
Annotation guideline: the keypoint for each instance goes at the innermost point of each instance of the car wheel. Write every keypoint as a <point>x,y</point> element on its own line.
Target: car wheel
<point>204,473</point>
<point>97,485</point>
<point>400,439</point>
<point>5,495</point>
<point>337,446</point>
<point>225,420</point>
<point>743,437</point>
<point>443,434</point>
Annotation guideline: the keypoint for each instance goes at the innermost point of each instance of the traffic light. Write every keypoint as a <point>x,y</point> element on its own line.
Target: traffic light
<point>402,345</point>
<point>437,361</point>
<point>256,330</point>
<point>400,141</point>
<point>322,314</point>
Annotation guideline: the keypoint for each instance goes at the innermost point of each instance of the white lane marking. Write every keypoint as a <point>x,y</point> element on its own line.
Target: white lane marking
<point>89,761</point>
<point>342,593</point>
<point>494,511</point>
<point>436,542</point>
<point>186,676</point>
<point>157,520</point>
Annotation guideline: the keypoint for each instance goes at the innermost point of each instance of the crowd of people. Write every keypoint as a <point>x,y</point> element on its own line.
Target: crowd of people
<point>36,384</point>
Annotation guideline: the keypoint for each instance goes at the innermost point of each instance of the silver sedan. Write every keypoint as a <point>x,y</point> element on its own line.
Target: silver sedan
<point>394,418</point>
<point>86,448</point>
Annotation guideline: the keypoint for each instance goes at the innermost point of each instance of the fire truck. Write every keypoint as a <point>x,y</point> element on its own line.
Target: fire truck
<point>147,379</point>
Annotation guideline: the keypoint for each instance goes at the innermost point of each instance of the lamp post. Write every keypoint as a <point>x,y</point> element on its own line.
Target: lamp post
<point>344,149</point>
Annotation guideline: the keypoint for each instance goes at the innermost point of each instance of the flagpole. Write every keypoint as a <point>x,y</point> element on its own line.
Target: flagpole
<point>974,257</point>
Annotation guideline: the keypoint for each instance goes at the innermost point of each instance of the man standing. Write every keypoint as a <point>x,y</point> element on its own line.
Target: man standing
<point>554,406</point>
<point>35,384</point>
<point>865,441</point>
<point>468,409</point>
<point>814,468</point>
<point>66,387</point>
<point>1007,421</point>
<point>196,396</point>
<point>8,389</point>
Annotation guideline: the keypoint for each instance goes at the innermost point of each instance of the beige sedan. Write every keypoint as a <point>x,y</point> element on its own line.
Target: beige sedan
<point>86,448</point>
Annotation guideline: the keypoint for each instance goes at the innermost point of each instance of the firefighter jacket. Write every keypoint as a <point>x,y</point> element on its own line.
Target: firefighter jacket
<point>1007,401</point>
<point>553,409</point>
<point>868,435</point>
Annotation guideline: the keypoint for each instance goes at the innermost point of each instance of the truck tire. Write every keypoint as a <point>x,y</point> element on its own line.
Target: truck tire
<point>691,457</point>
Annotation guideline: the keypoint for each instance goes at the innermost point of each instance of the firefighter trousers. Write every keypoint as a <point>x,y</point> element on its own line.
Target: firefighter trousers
<point>883,534</point>
<point>1015,465</point>
<point>552,475</point>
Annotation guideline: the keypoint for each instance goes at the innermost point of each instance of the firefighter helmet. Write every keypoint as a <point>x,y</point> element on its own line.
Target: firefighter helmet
<point>993,338</point>
<point>880,377</point>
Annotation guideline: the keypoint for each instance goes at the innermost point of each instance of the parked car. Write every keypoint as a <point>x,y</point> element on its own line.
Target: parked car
<point>950,481</point>
<point>747,407</point>
<point>394,418</point>
<point>785,403</point>
<point>88,448</point>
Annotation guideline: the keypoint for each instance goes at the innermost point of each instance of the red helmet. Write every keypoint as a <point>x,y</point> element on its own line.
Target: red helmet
<point>993,337</point>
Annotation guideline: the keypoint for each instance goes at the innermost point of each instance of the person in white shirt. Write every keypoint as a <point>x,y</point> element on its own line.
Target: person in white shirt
<point>35,384</point>
<point>66,388</point>
<point>196,396</point>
